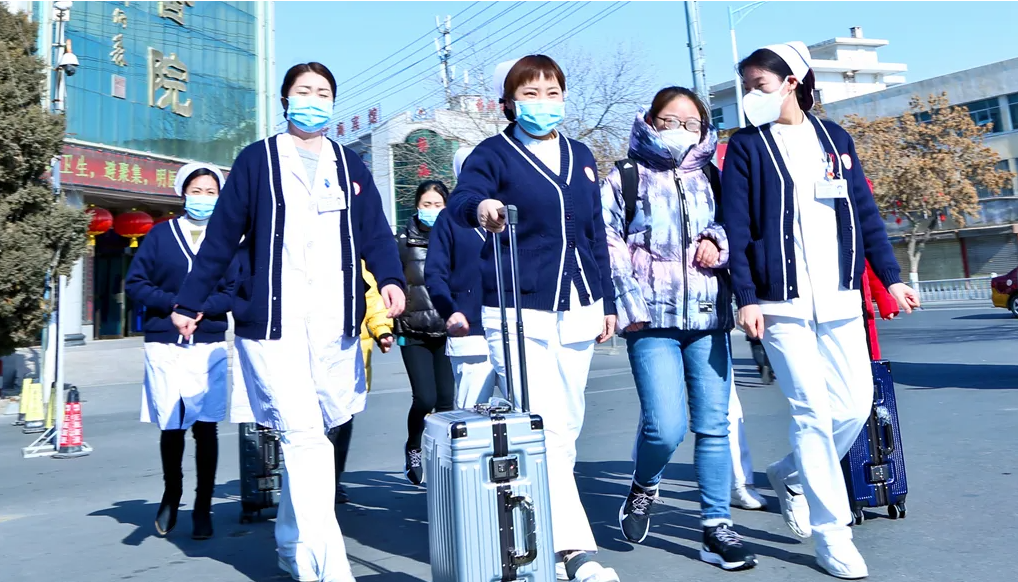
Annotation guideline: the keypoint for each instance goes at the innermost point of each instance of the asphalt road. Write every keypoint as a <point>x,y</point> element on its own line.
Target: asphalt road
<point>90,519</point>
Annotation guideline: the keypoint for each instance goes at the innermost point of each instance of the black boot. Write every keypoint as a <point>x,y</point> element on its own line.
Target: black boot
<point>171,449</point>
<point>206,448</point>
<point>340,437</point>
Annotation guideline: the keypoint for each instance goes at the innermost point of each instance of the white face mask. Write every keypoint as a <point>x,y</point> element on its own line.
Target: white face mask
<point>679,142</point>
<point>763,108</point>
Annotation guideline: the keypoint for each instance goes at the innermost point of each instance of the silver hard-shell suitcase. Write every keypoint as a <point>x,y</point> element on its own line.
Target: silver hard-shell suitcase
<point>489,512</point>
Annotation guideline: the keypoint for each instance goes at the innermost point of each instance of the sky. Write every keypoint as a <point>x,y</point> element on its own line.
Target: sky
<point>931,38</point>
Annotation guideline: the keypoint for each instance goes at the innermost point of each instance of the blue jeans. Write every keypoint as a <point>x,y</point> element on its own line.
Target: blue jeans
<point>674,368</point>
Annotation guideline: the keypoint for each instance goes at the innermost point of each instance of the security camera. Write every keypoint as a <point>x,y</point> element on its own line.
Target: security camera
<point>69,63</point>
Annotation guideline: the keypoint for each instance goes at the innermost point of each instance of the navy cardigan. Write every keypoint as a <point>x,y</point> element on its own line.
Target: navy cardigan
<point>759,215</point>
<point>452,270</point>
<point>251,205</point>
<point>155,276</point>
<point>561,230</point>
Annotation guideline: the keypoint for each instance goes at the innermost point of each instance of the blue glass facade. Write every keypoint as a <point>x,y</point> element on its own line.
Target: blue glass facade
<point>175,79</point>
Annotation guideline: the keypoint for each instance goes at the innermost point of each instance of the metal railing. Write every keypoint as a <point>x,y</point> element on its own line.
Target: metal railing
<point>972,289</point>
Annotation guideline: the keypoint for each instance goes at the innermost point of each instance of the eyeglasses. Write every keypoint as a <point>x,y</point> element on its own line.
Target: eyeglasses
<point>691,125</point>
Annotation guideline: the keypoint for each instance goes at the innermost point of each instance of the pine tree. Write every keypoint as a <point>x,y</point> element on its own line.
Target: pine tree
<point>38,232</point>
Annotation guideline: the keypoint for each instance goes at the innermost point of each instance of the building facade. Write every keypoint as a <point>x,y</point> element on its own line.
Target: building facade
<point>987,243</point>
<point>159,84</point>
<point>844,67</point>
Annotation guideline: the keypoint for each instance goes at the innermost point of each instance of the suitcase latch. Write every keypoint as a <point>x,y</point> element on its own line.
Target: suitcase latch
<point>505,468</point>
<point>880,473</point>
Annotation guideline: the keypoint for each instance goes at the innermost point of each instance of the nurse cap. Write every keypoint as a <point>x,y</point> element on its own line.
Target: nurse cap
<point>501,72</point>
<point>187,170</point>
<point>797,57</point>
<point>459,158</point>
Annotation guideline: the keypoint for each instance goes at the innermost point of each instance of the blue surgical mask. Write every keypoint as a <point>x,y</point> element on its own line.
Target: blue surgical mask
<point>428,216</point>
<point>309,113</point>
<point>539,118</point>
<point>200,207</point>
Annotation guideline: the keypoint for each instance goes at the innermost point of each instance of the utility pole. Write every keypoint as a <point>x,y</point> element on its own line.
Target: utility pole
<point>735,16</point>
<point>696,57</point>
<point>444,50</point>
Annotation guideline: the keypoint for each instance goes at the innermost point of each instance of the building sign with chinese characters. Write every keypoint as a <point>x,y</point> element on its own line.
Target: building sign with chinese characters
<point>87,167</point>
<point>355,125</point>
<point>173,11</point>
<point>169,75</point>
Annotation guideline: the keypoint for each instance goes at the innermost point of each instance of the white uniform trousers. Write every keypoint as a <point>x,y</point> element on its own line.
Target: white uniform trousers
<point>557,375</point>
<point>824,371</point>
<point>292,393</point>
<point>742,462</point>
<point>475,379</point>
<point>184,383</point>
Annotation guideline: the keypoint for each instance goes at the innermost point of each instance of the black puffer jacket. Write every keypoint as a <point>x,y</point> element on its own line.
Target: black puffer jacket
<point>420,320</point>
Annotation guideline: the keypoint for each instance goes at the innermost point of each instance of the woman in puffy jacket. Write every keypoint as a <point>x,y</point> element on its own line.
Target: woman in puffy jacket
<point>421,331</point>
<point>668,257</point>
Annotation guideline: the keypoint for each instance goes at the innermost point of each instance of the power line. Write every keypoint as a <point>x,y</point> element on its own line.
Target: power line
<point>354,93</point>
<point>415,41</point>
<point>416,79</point>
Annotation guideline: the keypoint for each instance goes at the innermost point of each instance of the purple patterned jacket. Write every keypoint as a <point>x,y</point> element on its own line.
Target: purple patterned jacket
<point>652,266</point>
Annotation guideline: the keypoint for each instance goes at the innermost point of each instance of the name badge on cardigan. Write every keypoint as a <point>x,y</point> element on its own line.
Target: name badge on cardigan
<point>330,201</point>
<point>831,189</point>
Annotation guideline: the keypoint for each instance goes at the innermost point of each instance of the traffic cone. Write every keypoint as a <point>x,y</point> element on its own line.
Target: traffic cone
<point>71,438</point>
<point>35,415</point>
<point>23,399</point>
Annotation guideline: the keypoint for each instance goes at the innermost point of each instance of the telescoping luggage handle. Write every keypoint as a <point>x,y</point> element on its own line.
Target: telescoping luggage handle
<point>512,219</point>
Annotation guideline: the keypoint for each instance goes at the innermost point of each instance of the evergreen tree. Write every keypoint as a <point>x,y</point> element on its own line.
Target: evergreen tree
<point>38,232</point>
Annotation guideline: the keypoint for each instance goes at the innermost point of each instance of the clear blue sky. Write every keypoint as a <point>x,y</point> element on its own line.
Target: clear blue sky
<point>932,38</point>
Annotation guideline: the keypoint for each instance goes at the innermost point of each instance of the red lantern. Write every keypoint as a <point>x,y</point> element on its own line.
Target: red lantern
<point>165,218</point>
<point>132,225</point>
<point>102,221</point>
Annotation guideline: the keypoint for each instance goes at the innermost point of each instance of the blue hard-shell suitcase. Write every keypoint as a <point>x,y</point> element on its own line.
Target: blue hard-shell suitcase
<point>489,510</point>
<point>261,470</point>
<point>875,465</point>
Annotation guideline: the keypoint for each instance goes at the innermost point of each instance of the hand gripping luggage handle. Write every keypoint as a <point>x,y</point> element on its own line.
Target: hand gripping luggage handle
<point>512,219</point>
<point>525,505</point>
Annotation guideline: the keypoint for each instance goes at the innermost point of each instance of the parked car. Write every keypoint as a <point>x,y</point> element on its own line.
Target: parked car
<point>1005,291</point>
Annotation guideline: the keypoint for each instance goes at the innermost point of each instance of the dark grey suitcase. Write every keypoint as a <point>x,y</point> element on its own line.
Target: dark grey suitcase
<point>489,510</point>
<point>261,470</point>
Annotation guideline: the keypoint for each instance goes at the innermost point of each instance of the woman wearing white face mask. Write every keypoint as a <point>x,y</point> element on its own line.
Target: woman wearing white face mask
<point>309,212</point>
<point>185,381</point>
<point>801,224</point>
<point>669,255</point>
<point>567,297</point>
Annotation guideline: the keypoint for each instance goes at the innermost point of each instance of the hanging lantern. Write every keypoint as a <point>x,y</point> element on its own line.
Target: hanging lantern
<point>164,218</point>
<point>102,221</point>
<point>132,225</point>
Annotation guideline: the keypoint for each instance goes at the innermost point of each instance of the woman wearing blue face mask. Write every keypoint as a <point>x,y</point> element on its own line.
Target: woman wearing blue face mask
<point>185,381</point>
<point>421,331</point>
<point>567,296</point>
<point>308,211</point>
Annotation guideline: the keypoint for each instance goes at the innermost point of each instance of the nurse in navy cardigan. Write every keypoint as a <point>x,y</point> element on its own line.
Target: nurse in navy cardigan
<point>801,224</point>
<point>309,212</point>
<point>185,380</point>
<point>568,299</point>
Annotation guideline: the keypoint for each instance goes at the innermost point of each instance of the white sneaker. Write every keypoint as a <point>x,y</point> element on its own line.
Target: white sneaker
<point>794,508</point>
<point>594,572</point>
<point>291,569</point>
<point>841,560</point>
<point>746,497</point>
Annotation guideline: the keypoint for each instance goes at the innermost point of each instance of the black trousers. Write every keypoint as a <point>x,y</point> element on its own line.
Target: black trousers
<point>206,457</point>
<point>340,437</point>
<point>431,381</point>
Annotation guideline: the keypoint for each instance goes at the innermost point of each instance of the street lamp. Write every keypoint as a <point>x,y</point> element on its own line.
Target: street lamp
<point>735,16</point>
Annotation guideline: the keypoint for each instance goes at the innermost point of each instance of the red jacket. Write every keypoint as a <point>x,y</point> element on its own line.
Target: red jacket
<point>873,290</point>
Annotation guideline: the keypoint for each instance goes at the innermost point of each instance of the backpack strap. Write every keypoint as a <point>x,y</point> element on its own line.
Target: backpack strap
<point>629,176</point>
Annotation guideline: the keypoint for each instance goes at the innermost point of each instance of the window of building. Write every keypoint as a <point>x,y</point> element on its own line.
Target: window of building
<point>717,118</point>
<point>1002,166</point>
<point>1012,102</point>
<point>986,111</point>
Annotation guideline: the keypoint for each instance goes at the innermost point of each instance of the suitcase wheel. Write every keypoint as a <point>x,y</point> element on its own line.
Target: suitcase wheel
<point>859,517</point>
<point>896,511</point>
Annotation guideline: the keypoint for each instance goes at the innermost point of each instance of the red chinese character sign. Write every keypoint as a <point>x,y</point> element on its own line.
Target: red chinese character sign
<point>423,155</point>
<point>373,116</point>
<point>423,171</point>
<point>355,123</point>
<point>94,168</point>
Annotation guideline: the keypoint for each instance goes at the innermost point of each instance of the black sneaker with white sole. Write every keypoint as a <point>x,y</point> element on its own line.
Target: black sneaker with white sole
<point>414,466</point>
<point>723,547</point>
<point>634,515</point>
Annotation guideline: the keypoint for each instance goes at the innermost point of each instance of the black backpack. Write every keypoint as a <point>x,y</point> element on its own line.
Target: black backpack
<point>629,176</point>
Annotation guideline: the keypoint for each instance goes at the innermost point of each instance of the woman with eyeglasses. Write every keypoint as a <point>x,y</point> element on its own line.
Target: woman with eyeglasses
<point>669,255</point>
